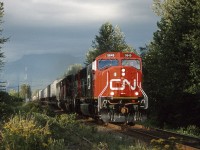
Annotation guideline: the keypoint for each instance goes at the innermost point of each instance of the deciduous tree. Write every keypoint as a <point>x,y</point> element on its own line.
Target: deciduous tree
<point>172,65</point>
<point>2,39</point>
<point>73,69</point>
<point>25,91</point>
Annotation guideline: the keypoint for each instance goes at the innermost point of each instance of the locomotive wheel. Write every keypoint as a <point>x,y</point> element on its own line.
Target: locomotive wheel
<point>99,121</point>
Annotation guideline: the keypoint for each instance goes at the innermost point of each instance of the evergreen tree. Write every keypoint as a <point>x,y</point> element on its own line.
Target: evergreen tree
<point>109,39</point>
<point>2,39</point>
<point>172,65</point>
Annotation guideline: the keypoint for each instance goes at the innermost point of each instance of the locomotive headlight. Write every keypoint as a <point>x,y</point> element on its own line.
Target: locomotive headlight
<point>123,74</point>
<point>136,93</point>
<point>112,93</point>
<point>123,70</point>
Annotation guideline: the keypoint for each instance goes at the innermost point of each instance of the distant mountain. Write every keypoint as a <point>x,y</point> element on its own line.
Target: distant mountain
<point>38,70</point>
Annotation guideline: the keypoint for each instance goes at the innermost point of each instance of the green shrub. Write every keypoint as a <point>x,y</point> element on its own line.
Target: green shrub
<point>6,111</point>
<point>8,105</point>
<point>138,146</point>
<point>30,107</point>
<point>191,130</point>
<point>24,132</point>
<point>169,144</point>
<point>35,128</point>
<point>102,145</point>
<point>35,107</point>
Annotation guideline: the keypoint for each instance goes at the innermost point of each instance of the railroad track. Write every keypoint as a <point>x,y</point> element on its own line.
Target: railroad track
<point>82,141</point>
<point>185,139</point>
<point>147,135</point>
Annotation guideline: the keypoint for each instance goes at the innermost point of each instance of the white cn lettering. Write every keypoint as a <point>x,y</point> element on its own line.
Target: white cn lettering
<point>124,82</point>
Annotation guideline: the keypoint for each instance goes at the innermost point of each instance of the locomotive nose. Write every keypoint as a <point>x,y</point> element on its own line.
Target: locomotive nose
<point>123,81</point>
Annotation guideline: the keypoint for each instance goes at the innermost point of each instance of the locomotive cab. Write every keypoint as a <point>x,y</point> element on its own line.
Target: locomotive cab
<point>117,87</point>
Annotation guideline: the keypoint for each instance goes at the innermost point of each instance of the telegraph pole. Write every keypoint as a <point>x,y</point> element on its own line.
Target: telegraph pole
<point>18,91</point>
<point>26,83</point>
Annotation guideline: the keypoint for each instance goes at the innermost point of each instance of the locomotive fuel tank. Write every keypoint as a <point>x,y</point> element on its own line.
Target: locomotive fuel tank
<point>87,109</point>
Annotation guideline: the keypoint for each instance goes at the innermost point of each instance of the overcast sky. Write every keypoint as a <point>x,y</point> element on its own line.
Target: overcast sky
<point>69,26</point>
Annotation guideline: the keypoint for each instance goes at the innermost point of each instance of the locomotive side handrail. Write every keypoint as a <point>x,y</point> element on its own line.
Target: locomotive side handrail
<point>100,95</point>
<point>145,98</point>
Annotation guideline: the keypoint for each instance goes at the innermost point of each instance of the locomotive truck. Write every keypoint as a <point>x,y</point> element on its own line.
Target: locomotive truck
<point>110,89</point>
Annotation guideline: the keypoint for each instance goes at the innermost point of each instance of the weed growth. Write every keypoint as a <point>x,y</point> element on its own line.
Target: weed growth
<point>169,144</point>
<point>191,130</point>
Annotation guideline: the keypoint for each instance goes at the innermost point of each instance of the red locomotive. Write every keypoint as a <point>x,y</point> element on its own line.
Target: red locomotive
<point>109,89</point>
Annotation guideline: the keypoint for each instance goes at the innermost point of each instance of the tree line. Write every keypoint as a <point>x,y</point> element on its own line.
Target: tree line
<point>171,64</point>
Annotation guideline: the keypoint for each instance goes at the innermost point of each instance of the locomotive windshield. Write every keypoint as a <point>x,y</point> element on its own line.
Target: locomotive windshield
<point>105,63</point>
<point>134,63</point>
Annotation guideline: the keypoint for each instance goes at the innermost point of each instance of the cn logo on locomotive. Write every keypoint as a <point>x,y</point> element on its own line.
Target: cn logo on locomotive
<point>124,82</point>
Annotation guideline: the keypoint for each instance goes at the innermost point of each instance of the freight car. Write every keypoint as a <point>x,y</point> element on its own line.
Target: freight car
<point>110,89</point>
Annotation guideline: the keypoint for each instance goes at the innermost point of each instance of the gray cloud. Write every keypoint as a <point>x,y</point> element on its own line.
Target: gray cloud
<point>69,26</point>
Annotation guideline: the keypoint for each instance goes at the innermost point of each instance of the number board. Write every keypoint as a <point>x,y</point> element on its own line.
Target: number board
<point>110,55</point>
<point>128,55</point>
